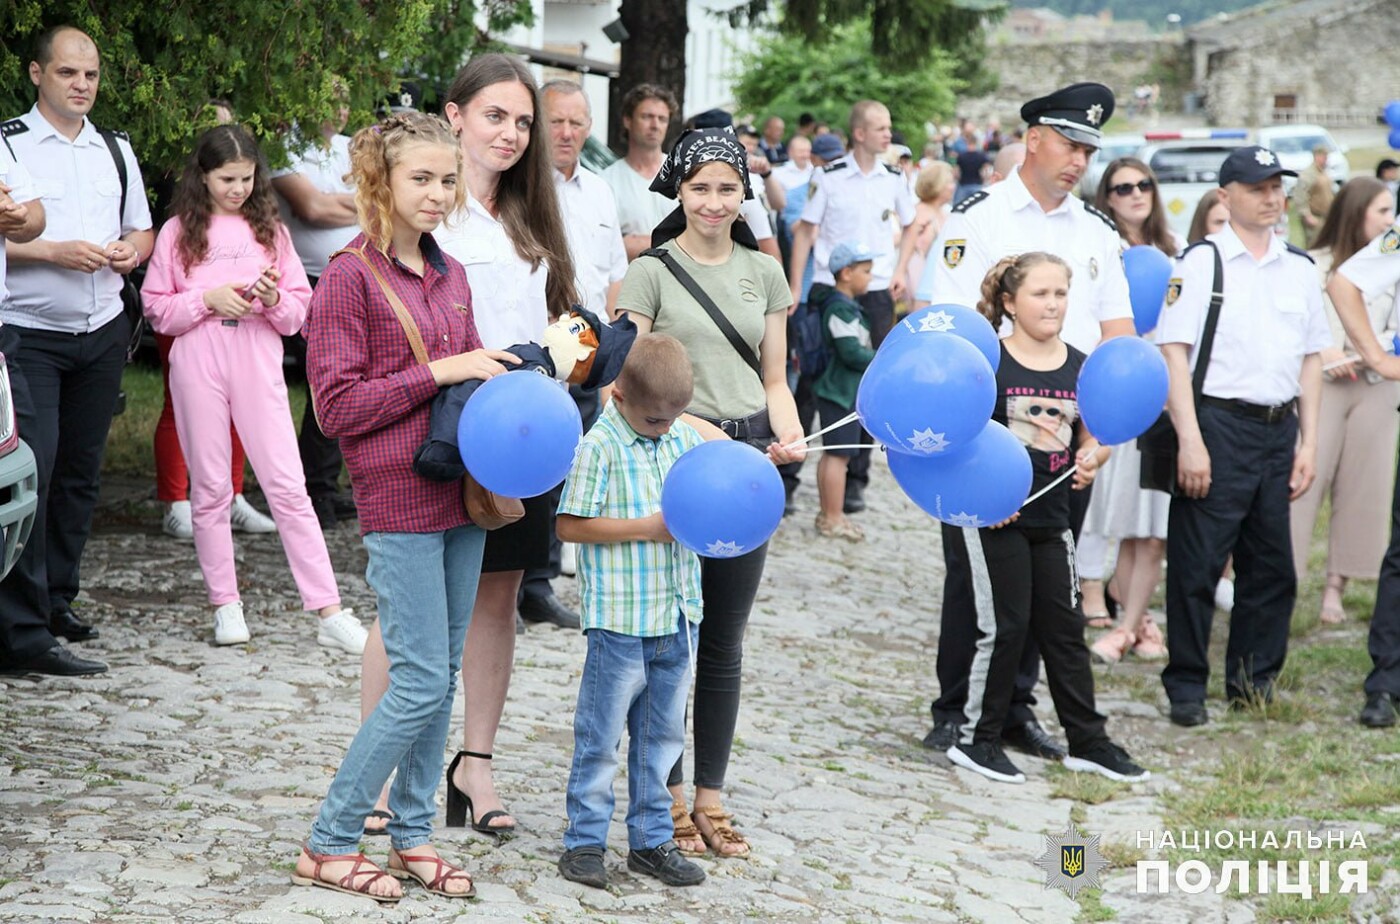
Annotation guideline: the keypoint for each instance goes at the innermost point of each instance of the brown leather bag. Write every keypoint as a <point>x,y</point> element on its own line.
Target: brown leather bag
<point>486,509</point>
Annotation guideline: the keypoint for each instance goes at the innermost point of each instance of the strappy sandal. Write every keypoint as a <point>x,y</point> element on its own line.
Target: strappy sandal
<point>721,832</point>
<point>459,804</point>
<point>346,883</point>
<point>444,873</point>
<point>684,829</point>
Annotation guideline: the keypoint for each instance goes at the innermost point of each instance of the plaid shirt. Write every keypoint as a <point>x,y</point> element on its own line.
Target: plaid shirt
<point>371,392</point>
<point>632,588</point>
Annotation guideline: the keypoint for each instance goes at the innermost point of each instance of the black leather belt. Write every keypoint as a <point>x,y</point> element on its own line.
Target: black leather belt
<point>753,427</point>
<point>1268,413</point>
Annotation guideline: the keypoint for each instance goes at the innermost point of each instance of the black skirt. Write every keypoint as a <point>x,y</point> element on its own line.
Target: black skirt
<point>523,544</point>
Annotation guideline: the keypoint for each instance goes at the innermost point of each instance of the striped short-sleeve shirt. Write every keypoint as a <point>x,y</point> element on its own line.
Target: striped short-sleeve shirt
<point>632,588</point>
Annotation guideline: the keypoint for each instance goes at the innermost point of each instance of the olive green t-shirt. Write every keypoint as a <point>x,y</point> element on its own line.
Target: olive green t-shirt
<point>746,288</point>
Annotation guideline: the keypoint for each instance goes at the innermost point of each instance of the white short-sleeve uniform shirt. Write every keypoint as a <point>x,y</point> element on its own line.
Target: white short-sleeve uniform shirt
<point>849,206</point>
<point>21,184</point>
<point>328,170</point>
<point>1375,268</point>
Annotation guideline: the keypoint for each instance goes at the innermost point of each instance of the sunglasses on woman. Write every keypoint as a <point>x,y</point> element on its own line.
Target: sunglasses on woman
<point>1126,189</point>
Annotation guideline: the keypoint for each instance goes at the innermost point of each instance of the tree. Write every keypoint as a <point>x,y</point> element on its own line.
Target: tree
<point>654,52</point>
<point>787,75</point>
<point>275,62</point>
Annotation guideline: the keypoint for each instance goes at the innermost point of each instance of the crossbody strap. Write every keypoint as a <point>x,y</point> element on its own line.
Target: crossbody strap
<point>120,161</point>
<point>410,327</point>
<point>704,300</point>
<point>1217,297</point>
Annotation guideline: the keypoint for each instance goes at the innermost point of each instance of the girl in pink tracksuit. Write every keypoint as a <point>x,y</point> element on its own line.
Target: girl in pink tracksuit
<point>225,282</point>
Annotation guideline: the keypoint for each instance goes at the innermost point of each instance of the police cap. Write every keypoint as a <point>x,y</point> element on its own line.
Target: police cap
<point>1252,164</point>
<point>1077,111</point>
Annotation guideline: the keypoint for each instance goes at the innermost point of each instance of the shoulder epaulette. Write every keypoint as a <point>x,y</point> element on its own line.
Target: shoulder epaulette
<point>970,201</point>
<point>1113,226</point>
<point>835,165</point>
<point>1190,247</point>
<point>893,169</point>
<point>1294,248</point>
<point>13,127</point>
<point>115,133</point>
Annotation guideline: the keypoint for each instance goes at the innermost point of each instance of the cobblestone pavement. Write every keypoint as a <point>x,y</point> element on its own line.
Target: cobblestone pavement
<point>178,786</point>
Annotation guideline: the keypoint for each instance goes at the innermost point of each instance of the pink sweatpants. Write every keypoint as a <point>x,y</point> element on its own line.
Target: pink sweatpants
<point>233,373</point>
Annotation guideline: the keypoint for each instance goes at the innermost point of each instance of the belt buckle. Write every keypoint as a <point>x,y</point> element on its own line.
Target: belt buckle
<point>730,427</point>
<point>1276,413</point>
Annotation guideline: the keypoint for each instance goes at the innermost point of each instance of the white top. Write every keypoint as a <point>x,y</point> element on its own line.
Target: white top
<point>1271,318</point>
<point>755,210</point>
<point>790,176</point>
<point>848,206</point>
<point>14,175</point>
<point>1005,220</point>
<point>638,208</point>
<point>595,237</point>
<point>1375,268</point>
<point>508,297</point>
<point>81,189</point>
<point>328,171</point>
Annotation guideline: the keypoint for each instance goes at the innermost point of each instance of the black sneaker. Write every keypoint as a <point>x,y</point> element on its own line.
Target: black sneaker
<point>585,865</point>
<point>667,864</point>
<point>1109,759</point>
<point>854,501</point>
<point>1380,711</point>
<point>943,736</point>
<point>988,759</point>
<point>1030,738</point>
<point>1189,714</point>
<point>324,507</point>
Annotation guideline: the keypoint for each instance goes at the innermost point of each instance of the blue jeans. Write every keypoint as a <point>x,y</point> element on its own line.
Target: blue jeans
<point>426,585</point>
<point>642,683</point>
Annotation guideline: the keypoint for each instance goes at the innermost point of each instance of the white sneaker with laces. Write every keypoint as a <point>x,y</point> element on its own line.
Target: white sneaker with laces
<point>568,558</point>
<point>229,627</point>
<point>179,521</point>
<point>246,518</point>
<point>342,631</point>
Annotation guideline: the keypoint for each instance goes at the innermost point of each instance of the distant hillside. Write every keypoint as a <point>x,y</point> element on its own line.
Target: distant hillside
<point>1153,12</point>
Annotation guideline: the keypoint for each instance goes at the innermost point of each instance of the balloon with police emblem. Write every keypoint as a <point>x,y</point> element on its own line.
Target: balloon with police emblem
<point>518,432</point>
<point>1149,270</point>
<point>947,318</point>
<point>1122,389</point>
<point>980,485</point>
<point>926,394</point>
<point>722,499</point>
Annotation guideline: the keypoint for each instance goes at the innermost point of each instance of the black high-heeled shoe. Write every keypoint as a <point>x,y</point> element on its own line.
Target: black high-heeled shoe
<point>459,804</point>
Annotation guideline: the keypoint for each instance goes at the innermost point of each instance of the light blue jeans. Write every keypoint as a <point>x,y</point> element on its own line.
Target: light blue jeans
<point>639,683</point>
<point>426,585</point>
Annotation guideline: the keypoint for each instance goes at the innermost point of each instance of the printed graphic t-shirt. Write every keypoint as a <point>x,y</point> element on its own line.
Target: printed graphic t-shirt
<point>1041,408</point>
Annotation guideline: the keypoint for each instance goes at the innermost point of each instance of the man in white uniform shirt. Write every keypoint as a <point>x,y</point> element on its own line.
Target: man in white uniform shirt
<point>1248,448</point>
<point>65,305</point>
<point>647,110</point>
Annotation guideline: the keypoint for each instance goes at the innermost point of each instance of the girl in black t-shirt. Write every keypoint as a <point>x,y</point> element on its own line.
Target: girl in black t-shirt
<point>1027,562</point>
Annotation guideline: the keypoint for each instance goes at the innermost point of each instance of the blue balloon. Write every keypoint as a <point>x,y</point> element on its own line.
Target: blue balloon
<point>981,485</point>
<point>926,394</point>
<point>1394,138</point>
<point>959,320</point>
<point>1122,389</point>
<point>518,433</point>
<point>1392,114</point>
<point>1148,271</point>
<point>722,499</point>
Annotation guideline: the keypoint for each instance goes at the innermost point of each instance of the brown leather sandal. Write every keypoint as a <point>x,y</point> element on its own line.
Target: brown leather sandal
<point>721,832</point>
<point>444,873</point>
<point>347,883</point>
<point>685,829</point>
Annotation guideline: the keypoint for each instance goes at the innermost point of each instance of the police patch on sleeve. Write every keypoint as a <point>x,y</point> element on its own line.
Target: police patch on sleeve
<point>953,252</point>
<point>811,189</point>
<point>1390,241</point>
<point>1173,290</point>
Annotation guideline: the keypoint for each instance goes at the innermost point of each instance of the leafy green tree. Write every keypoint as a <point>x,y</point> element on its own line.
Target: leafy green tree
<point>787,75</point>
<point>276,62</point>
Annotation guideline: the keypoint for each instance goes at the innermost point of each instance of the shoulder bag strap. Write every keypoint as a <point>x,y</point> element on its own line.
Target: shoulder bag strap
<point>704,300</point>
<point>410,327</point>
<point>120,161</point>
<point>1217,297</point>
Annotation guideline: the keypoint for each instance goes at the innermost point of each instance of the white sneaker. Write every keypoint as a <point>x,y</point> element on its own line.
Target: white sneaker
<point>1225,595</point>
<point>229,627</point>
<point>568,558</point>
<point>178,521</point>
<point>342,631</point>
<point>246,518</point>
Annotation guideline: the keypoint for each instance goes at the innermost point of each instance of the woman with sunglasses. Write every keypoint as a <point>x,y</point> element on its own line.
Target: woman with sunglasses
<point>1121,512</point>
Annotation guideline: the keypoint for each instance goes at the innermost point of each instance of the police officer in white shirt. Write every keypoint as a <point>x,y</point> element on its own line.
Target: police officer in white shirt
<point>1371,272</point>
<point>1249,448</point>
<point>65,303</point>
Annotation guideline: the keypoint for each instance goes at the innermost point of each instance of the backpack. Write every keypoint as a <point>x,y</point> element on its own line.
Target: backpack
<point>812,351</point>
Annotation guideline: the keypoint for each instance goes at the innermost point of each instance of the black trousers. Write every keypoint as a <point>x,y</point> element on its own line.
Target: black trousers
<point>806,414</point>
<point>536,580</point>
<point>1384,640</point>
<point>66,388</point>
<point>1025,586</point>
<point>729,586</point>
<point>321,459</point>
<point>878,306</point>
<point>1245,514</point>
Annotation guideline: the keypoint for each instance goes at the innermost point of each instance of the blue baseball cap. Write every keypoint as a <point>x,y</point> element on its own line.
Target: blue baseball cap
<point>828,147</point>
<point>848,253</point>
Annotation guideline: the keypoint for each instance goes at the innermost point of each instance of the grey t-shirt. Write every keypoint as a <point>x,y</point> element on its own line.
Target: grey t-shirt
<point>746,288</point>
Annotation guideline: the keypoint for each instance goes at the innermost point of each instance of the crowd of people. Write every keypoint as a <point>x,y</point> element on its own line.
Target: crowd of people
<point>762,273</point>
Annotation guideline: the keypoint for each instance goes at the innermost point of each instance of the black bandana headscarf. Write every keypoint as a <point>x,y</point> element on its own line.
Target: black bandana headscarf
<point>693,150</point>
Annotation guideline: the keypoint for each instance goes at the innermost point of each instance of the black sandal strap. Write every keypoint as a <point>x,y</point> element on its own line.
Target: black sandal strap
<point>477,754</point>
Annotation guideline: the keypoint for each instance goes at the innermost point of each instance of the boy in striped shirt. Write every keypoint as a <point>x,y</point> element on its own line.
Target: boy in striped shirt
<point>640,594</point>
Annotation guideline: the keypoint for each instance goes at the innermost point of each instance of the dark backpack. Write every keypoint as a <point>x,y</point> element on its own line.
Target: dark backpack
<point>812,351</point>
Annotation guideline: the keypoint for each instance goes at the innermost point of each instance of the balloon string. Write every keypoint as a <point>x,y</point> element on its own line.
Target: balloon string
<point>812,449</point>
<point>1045,490</point>
<point>840,423</point>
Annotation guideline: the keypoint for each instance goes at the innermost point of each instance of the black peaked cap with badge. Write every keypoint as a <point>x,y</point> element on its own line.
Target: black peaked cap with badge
<point>1077,111</point>
<point>1252,164</point>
